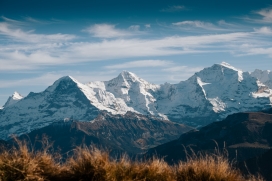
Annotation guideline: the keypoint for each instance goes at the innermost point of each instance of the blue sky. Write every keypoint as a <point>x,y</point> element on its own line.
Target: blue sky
<point>160,41</point>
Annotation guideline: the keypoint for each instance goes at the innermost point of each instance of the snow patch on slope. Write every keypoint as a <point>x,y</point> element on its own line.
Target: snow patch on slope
<point>218,104</point>
<point>202,84</point>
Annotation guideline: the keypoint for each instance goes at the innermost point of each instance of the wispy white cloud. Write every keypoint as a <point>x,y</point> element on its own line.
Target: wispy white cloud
<point>171,9</point>
<point>29,50</point>
<point>30,19</point>
<point>147,25</point>
<point>263,16</point>
<point>263,30</point>
<point>37,55</point>
<point>38,21</point>
<point>47,79</point>
<point>17,60</point>
<point>178,73</point>
<point>12,21</point>
<point>110,31</point>
<point>17,34</point>
<point>43,80</point>
<point>257,51</point>
<point>122,48</point>
<point>200,24</point>
<point>226,24</point>
<point>182,69</point>
<point>134,27</point>
<point>169,70</point>
<point>140,63</point>
<point>266,14</point>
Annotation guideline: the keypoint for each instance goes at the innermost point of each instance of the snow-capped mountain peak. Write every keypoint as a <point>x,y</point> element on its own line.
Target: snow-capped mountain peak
<point>126,75</point>
<point>17,96</point>
<point>13,99</point>
<point>127,79</point>
<point>218,73</point>
<point>64,82</point>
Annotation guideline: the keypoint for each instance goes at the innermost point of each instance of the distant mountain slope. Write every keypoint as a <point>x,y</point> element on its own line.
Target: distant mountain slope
<point>209,95</point>
<point>132,133</point>
<point>264,76</point>
<point>244,135</point>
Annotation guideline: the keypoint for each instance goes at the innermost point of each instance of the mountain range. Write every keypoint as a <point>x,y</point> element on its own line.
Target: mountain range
<point>209,95</point>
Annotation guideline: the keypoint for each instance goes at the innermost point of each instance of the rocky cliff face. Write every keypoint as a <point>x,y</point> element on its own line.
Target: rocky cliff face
<point>209,95</point>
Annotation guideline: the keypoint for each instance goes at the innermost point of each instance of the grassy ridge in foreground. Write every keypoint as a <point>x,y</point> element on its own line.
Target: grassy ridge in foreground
<point>92,164</point>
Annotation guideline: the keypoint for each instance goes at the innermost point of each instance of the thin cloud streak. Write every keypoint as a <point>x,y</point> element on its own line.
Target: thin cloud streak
<point>266,14</point>
<point>263,30</point>
<point>44,80</point>
<point>19,35</point>
<point>49,78</point>
<point>183,69</point>
<point>221,25</point>
<point>140,63</point>
<point>197,24</point>
<point>38,21</point>
<point>109,31</point>
<point>257,51</point>
<point>171,9</point>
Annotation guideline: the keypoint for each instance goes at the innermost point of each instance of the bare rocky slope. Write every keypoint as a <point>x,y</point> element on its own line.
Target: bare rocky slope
<point>131,133</point>
<point>242,135</point>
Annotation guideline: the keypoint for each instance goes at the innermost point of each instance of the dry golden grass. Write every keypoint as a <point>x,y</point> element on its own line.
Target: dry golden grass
<point>91,164</point>
<point>22,164</point>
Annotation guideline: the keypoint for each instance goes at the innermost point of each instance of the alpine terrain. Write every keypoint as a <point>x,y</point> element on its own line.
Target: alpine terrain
<point>209,95</point>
